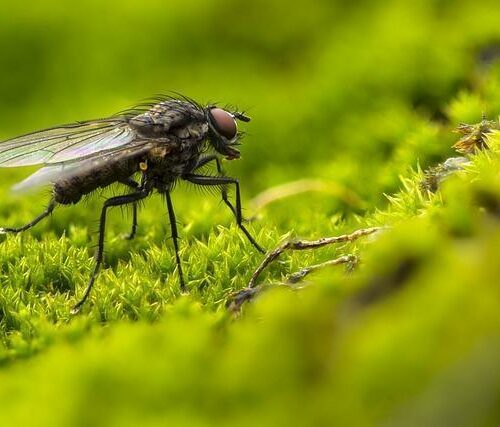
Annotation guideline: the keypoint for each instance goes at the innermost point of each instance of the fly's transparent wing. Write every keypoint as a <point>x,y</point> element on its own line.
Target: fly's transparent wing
<point>65,143</point>
<point>44,176</point>
<point>53,173</point>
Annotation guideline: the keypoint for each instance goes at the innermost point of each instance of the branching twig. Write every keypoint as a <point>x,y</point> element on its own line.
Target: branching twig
<point>308,244</point>
<point>303,272</point>
<point>237,299</point>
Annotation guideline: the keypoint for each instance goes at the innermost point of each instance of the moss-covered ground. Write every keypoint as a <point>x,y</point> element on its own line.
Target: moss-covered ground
<point>351,103</point>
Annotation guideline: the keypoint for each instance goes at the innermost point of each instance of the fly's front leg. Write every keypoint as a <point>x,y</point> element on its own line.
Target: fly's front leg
<point>222,181</point>
<point>45,213</point>
<point>215,158</point>
<point>175,238</point>
<point>114,201</point>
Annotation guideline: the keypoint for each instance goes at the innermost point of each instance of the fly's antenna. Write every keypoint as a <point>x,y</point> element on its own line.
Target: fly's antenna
<point>241,116</point>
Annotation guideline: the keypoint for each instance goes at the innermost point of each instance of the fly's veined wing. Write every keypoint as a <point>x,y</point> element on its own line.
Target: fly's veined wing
<point>65,143</point>
<point>61,171</point>
<point>44,176</point>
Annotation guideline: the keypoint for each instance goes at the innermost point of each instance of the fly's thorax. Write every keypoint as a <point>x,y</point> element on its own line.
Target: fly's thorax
<point>167,118</point>
<point>167,163</point>
<point>197,131</point>
<point>157,154</point>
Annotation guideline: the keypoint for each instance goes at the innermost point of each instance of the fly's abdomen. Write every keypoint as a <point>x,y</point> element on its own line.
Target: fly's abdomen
<point>96,174</point>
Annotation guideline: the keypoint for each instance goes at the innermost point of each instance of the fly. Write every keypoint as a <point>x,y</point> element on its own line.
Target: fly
<point>169,139</point>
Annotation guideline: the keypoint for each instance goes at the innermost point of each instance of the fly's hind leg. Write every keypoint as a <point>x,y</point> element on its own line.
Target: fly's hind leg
<point>45,213</point>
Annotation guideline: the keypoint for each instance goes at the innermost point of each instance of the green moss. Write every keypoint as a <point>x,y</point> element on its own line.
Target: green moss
<point>358,99</point>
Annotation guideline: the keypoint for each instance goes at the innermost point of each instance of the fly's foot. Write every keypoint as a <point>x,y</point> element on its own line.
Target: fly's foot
<point>127,236</point>
<point>75,310</point>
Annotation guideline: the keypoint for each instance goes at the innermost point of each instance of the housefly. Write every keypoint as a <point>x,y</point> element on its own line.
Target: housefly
<point>159,142</point>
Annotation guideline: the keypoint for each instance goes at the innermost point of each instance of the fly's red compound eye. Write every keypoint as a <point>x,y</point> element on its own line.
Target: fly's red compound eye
<point>224,123</point>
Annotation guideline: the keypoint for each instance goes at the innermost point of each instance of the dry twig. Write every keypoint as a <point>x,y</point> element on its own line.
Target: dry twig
<point>237,299</point>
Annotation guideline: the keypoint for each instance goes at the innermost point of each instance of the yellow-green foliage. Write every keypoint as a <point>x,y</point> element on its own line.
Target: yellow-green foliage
<point>357,97</point>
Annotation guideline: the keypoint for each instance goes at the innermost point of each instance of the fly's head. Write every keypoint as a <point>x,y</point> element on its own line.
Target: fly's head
<point>223,130</point>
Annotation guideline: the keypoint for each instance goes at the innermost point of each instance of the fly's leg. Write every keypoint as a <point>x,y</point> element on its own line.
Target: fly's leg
<point>114,201</point>
<point>221,181</point>
<point>129,182</point>
<point>207,159</point>
<point>133,230</point>
<point>45,213</point>
<point>175,238</point>
<point>225,199</point>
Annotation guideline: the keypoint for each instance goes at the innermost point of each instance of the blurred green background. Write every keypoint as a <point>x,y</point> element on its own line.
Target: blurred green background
<point>355,96</point>
<point>329,84</point>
